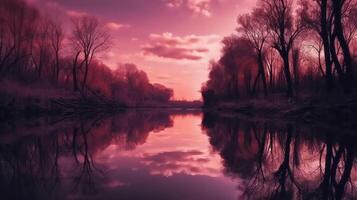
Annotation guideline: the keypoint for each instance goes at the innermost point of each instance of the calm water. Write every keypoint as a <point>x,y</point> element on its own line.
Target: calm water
<point>174,155</point>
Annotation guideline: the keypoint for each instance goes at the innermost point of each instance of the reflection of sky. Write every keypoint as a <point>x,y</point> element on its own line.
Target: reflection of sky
<point>176,163</point>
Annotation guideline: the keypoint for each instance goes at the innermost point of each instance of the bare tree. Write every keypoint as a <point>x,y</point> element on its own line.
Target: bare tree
<point>91,38</point>
<point>255,30</point>
<point>338,6</point>
<point>17,29</point>
<point>56,39</point>
<point>75,65</point>
<point>320,16</point>
<point>40,51</point>
<point>296,67</point>
<point>271,63</point>
<point>284,30</point>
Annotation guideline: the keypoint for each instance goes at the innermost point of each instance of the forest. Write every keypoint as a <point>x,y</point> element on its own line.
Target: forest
<point>287,49</point>
<point>42,58</point>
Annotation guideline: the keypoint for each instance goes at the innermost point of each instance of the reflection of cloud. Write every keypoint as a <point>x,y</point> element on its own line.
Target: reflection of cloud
<point>116,183</point>
<point>166,45</point>
<point>173,162</point>
<point>172,156</point>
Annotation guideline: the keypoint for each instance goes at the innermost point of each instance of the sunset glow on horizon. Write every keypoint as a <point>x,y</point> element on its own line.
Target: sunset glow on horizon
<point>171,40</point>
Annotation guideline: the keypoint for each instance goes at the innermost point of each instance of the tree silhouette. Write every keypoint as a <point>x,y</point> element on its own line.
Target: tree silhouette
<point>254,28</point>
<point>284,29</point>
<point>91,38</point>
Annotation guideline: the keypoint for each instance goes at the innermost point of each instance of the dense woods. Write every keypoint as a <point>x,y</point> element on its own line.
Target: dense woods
<point>39,53</point>
<point>290,47</point>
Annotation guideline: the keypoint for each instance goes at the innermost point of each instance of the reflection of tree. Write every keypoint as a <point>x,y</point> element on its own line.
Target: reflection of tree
<point>284,172</point>
<point>280,161</point>
<point>338,166</point>
<point>85,178</point>
<point>32,166</point>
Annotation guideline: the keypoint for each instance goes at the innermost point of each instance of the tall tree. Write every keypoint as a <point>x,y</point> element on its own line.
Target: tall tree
<point>40,50</point>
<point>320,16</point>
<point>271,62</point>
<point>284,29</point>
<point>317,15</point>
<point>338,6</point>
<point>296,67</point>
<point>18,24</point>
<point>56,39</point>
<point>255,30</point>
<point>91,38</point>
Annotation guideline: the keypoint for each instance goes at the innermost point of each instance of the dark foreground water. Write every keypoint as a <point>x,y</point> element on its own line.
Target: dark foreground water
<point>172,155</point>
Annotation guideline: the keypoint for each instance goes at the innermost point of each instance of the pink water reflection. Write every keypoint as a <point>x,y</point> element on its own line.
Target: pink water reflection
<point>161,154</point>
<point>182,148</point>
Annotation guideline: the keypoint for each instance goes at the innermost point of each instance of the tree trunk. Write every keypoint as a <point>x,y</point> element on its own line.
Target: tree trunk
<point>335,60</point>
<point>337,8</point>
<point>325,40</point>
<point>262,73</point>
<point>271,78</point>
<point>57,66</point>
<point>85,75</point>
<point>255,84</point>
<point>289,84</point>
<point>295,60</point>
<point>74,72</point>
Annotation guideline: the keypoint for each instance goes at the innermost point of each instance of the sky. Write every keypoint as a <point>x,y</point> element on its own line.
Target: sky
<point>171,40</point>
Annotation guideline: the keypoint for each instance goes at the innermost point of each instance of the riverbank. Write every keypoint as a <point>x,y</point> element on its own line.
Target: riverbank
<point>38,99</point>
<point>341,110</point>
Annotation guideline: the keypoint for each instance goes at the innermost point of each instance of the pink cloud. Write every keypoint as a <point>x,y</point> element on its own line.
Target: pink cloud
<point>174,3</point>
<point>166,45</point>
<point>201,7</point>
<point>116,26</point>
<point>170,52</point>
<point>74,13</point>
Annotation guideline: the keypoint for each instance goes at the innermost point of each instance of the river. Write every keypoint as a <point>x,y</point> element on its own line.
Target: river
<point>176,155</point>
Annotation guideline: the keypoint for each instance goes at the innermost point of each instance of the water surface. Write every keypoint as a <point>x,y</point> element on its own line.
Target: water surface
<point>157,154</point>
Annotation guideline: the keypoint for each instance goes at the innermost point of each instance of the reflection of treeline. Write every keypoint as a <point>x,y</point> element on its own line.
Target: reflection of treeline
<point>58,160</point>
<point>287,46</point>
<point>284,161</point>
<point>37,54</point>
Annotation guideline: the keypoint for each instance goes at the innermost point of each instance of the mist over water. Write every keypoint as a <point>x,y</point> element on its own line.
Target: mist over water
<point>161,154</point>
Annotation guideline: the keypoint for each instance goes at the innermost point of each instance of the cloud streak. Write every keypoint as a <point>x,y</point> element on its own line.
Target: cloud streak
<point>200,7</point>
<point>166,45</point>
<point>116,26</point>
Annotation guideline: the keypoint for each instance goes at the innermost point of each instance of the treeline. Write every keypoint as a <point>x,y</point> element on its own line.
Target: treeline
<point>287,46</point>
<point>36,49</point>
